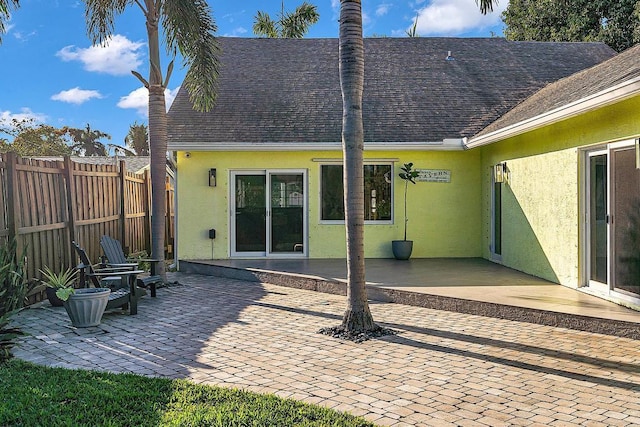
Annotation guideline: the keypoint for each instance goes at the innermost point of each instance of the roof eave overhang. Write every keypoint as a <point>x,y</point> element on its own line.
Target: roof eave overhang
<point>448,144</point>
<point>603,98</point>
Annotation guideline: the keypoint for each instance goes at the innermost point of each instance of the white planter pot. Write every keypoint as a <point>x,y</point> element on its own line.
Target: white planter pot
<point>86,306</point>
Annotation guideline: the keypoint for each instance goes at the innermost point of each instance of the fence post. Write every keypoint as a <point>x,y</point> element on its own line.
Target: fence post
<point>13,210</point>
<point>70,190</point>
<point>123,200</point>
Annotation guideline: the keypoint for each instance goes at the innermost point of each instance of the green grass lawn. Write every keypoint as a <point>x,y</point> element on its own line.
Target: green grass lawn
<point>32,395</point>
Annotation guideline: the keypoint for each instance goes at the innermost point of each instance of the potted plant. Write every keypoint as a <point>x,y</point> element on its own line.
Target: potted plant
<point>402,248</point>
<point>84,306</point>
<point>55,282</point>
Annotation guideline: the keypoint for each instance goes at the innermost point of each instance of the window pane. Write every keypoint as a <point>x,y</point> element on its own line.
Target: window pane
<point>598,217</point>
<point>626,222</point>
<point>377,192</point>
<point>287,213</point>
<point>332,193</point>
<point>251,230</point>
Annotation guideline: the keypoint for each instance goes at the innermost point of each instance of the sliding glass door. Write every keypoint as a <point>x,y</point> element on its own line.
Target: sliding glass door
<point>625,209</point>
<point>269,213</point>
<point>613,220</point>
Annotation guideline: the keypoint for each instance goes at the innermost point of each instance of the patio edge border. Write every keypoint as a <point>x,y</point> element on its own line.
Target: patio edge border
<point>618,328</point>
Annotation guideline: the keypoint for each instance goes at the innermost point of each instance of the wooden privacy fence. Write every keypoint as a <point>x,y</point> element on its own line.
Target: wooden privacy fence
<point>47,204</point>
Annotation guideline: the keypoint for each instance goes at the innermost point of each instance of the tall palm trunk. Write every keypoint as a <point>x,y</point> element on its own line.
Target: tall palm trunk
<point>357,317</point>
<point>157,141</point>
<point>188,27</point>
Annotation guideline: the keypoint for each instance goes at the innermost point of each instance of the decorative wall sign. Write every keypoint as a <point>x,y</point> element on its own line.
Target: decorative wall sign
<point>433,175</point>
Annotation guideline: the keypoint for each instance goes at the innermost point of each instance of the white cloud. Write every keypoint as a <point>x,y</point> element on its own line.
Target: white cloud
<point>451,17</point>
<point>236,32</point>
<point>139,100</point>
<point>170,95</point>
<point>25,114</point>
<point>231,17</point>
<point>76,95</point>
<point>117,57</point>
<point>383,9</point>
<point>22,36</point>
<point>335,6</point>
<point>366,19</point>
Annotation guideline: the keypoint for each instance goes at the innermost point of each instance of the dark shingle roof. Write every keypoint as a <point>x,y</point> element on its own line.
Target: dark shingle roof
<point>608,74</point>
<point>288,90</point>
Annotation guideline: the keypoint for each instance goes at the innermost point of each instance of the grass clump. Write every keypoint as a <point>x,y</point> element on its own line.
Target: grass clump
<point>34,394</point>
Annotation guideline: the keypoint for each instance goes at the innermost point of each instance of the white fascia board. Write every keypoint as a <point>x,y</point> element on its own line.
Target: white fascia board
<point>447,144</point>
<point>603,98</point>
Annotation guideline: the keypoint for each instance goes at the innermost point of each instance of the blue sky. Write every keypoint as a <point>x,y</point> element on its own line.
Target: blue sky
<point>51,73</point>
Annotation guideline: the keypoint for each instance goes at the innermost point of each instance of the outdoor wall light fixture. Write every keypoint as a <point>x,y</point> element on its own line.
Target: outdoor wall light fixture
<point>212,177</point>
<point>500,172</point>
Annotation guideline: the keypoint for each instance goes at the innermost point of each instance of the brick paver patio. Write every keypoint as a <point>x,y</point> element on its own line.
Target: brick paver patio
<point>441,369</point>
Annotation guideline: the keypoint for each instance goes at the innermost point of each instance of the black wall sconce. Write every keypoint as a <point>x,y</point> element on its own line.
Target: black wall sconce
<point>212,177</point>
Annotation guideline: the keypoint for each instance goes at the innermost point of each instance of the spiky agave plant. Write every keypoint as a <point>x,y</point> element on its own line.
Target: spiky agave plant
<point>62,282</point>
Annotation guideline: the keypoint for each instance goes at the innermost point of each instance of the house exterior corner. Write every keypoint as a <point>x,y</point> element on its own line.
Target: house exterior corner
<point>545,196</point>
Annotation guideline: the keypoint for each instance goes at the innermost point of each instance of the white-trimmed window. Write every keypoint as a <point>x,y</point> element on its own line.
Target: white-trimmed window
<point>378,197</point>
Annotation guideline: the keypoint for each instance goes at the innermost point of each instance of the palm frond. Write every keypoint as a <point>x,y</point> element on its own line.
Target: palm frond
<point>190,28</point>
<point>296,24</point>
<point>5,15</point>
<point>486,6</point>
<point>100,16</point>
<point>307,12</point>
<point>263,25</point>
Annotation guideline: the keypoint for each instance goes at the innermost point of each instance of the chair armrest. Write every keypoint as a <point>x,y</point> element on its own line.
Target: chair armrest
<point>152,261</point>
<point>143,259</point>
<point>129,264</point>
<point>112,271</point>
<point>115,273</point>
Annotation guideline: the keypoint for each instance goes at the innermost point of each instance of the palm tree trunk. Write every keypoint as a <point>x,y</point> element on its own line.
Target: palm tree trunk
<point>357,317</point>
<point>157,142</point>
<point>158,148</point>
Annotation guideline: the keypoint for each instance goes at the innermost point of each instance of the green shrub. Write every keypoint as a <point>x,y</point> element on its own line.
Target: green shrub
<point>13,289</point>
<point>13,283</point>
<point>7,335</point>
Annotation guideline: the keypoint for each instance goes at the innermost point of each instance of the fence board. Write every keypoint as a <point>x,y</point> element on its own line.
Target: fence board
<point>4,219</point>
<point>46,204</point>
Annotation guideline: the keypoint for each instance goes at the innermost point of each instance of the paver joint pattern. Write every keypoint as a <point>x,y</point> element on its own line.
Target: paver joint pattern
<point>442,369</point>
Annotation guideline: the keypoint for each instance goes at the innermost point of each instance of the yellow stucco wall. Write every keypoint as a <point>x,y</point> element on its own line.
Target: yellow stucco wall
<point>445,218</point>
<point>541,232</point>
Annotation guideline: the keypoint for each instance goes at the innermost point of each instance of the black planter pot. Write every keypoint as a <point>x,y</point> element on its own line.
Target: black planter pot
<point>53,298</point>
<point>402,248</point>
